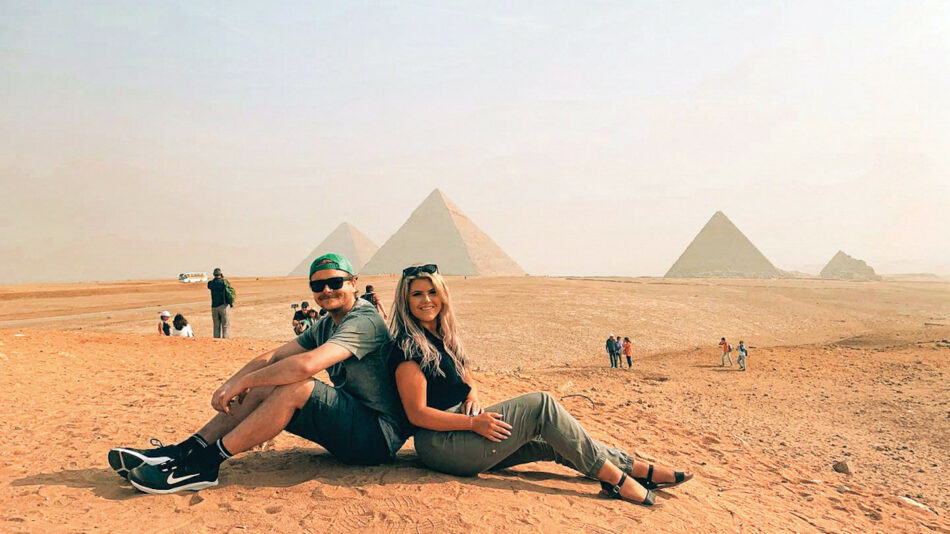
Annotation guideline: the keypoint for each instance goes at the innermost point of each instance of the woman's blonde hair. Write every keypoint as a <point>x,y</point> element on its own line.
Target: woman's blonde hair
<point>410,335</point>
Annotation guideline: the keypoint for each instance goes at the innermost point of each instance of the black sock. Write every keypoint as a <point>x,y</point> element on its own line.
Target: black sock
<point>212,455</point>
<point>193,443</point>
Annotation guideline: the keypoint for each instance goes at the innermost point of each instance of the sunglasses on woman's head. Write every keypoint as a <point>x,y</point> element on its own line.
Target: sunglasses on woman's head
<point>430,268</point>
<point>333,283</point>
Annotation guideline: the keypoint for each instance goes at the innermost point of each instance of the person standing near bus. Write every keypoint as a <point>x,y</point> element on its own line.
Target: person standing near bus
<point>220,305</point>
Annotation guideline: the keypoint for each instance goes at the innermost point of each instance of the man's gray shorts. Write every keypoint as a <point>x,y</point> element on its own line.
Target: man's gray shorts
<point>341,424</point>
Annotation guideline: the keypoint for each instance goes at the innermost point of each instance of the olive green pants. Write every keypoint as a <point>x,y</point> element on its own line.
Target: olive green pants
<point>542,431</point>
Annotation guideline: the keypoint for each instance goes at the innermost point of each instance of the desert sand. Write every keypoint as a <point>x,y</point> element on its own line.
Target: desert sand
<point>838,371</point>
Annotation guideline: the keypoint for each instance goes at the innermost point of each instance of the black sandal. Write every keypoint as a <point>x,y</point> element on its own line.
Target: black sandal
<point>613,491</point>
<point>678,476</point>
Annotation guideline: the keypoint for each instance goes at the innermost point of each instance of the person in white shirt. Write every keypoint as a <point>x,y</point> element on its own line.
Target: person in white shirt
<point>180,327</point>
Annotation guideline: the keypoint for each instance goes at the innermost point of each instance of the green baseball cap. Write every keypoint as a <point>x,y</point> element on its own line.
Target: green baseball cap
<point>331,261</point>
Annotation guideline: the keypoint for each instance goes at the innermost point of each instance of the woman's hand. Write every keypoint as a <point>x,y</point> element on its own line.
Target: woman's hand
<point>490,426</point>
<point>229,391</point>
<point>471,406</point>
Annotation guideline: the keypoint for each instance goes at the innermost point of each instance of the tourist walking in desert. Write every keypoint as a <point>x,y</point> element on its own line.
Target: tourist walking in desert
<point>457,436</point>
<point>612,350</point>
<point>360,420</point>
<point>743,354</point>
<point>628,351</point>
<point>726,352</point>
<point>221,304</point>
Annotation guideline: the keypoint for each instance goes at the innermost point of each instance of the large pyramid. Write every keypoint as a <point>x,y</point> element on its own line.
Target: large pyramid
<point>844,267</point>
<point>722,250</point>
<point>346,240</point>
<point>437,232</point>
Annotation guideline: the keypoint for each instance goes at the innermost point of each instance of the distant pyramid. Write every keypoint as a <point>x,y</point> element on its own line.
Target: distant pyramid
<point>722,250</point>
<point>437,232</point>
<point>346,240</point>
<point>844,267</point>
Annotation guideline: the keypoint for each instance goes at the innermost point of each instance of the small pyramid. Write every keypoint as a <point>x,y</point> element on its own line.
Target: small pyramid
<point>721,250</point>
<point>346,240</point>
<point>844,267</point>
<point>438,232</point>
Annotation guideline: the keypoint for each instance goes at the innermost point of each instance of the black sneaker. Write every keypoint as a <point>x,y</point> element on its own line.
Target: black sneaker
<point>180,474</point>
<point>123,460</point>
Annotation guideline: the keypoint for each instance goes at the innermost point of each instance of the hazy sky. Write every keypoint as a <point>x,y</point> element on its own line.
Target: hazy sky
<point>141,140</point>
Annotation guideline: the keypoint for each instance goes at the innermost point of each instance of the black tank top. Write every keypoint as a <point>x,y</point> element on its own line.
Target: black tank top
<point>442,392</point>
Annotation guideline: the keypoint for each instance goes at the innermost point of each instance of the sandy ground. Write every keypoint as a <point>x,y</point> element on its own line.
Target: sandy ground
<point>838,371</point>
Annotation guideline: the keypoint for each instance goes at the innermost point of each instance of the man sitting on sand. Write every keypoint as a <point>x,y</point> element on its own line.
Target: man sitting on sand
<point>360,419</point>
<point>299,316</point>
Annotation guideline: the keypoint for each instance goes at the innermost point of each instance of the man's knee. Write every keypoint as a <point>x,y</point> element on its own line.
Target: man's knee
<point>296,394</point>
<point>259,393</point>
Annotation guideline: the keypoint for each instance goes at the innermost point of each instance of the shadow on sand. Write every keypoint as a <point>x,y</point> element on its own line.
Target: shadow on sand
<point>716,367</point>
<point>289,468</point>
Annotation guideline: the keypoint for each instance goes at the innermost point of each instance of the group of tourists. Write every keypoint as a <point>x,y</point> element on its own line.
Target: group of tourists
<point>727,353</point>
<point>177,327</point>
<point>305,317</point>
<point>222,300</point>
<point>412,378</point>
<point>618,349</point>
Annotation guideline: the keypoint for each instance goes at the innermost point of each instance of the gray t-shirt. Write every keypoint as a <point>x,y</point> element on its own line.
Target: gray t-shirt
<point>365,375</point>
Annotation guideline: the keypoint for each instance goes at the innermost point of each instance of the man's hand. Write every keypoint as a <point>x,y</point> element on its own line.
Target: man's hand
<point>471,406</point>
<point>229,391</point>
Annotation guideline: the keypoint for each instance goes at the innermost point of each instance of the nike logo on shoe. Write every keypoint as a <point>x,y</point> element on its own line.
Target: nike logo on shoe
<point>172,480</point>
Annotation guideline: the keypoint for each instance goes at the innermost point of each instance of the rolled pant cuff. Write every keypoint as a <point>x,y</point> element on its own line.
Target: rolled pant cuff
<point>598,465</point>
<point>626,464</point>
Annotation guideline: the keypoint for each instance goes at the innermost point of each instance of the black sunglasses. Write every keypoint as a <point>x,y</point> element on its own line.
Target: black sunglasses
<point>333,283</point>
<point>430,268</point>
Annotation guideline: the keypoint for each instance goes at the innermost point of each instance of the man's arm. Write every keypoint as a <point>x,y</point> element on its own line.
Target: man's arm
<point>296,367</point>
<point>286,350</point>
<point>286,365</point>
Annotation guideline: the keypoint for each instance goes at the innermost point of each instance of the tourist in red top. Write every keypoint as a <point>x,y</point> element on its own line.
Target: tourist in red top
<point>726,352</point>
<point>628,351</point>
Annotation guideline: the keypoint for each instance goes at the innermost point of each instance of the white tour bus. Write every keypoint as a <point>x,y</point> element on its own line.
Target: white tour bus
<point>189,278</point>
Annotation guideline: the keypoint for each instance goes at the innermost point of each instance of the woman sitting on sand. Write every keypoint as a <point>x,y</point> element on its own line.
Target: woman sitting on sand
<point>180,327</point>
<point>456,436</point>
